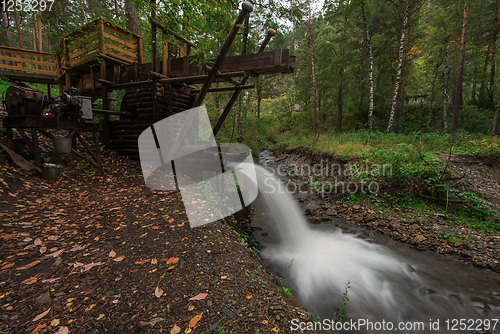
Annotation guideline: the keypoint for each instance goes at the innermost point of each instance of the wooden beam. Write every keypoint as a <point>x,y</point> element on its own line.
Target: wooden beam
<point>225,89</point>
<point>129,84</point>
<point>247,8</point>
<point>203,77</point>
<point>168,31</point>
<point>113,113</point>
<point>270,33</point>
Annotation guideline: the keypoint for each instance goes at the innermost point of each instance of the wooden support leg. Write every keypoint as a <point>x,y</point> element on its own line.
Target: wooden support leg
<point>26,139</point>
<point>86,146</point>
<point>97,149</point>
<point>36,148</point>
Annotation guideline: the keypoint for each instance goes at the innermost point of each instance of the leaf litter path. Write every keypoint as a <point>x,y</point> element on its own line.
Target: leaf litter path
<point>104,254</point>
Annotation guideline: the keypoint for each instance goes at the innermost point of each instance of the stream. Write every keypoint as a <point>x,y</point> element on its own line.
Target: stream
<point>393,288</point>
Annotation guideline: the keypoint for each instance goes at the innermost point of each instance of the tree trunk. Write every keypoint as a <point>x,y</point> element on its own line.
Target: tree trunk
<point>455,52</point>
<point>313,70</point>
<point>40,38</point>
<point>132,21</point>
<point>445,90</point>
<point>47,35</point>
<point>7,30</point>
<point>338,118</point>
<point>18,28</point>
<point>494,51</point>
<point>238,121</point>
<point>460,74</point>
<point>259,96</point>
<point>82,12</point>
<point>496,121</point>
<point>400,68</point>
<point>432,96</point>
<point>370,66</point>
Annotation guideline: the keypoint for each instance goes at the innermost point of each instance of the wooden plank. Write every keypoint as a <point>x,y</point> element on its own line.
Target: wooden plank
<point>25,52</point>
<point>81,60</point>
<point>120,31</point>
<point>81,52</point>
<point>78,44</point>
<point>129,84</point>
<point>277,57</point>
<point>114,57</point>
<point>28,69</point>
<point>120,41</point>
<point>28,61</point>
<point>120,49</point>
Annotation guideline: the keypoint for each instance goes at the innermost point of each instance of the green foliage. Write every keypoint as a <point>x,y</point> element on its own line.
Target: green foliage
<point>339,315</point>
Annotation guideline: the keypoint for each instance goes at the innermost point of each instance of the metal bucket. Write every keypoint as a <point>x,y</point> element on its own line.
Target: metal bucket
<point>62,145</point>
<point>51,172</point>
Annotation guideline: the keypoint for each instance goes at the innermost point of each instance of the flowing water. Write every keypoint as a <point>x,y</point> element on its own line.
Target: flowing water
<point>389,281</point>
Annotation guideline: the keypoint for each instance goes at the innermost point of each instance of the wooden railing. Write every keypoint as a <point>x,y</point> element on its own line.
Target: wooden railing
<point>101,39</point>
<point>26,61</point>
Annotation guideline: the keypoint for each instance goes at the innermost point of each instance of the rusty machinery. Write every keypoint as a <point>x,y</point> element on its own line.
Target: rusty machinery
<point>22,101</point>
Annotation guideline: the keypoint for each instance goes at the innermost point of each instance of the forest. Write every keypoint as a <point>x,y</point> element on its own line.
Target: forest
<point>388,66</point>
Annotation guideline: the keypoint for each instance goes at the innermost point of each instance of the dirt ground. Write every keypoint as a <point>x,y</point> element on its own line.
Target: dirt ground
<point>101,253</point>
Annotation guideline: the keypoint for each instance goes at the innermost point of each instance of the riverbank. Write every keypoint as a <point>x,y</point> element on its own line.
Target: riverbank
<point>386,208</point>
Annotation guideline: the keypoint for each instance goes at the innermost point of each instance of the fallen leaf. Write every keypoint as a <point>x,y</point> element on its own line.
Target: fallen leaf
<point>175,330</point>
<point>187,330</point>
<point>142,262</point>
<point>155,227</point>
<point>51,280</point>
<point>170,260</point>
<point>55,254</point>
<point>7,266</point>
<point>118,278</point>
<point>154,261</point>
<point>22,253</point>
<point>249,296</point>
<point>112,253</point>
<point>190,307</point>
<point>63,330</point>
<point>199,296</point>
<point>54,322</point>
<point>52,238</point>
<point>158,292</point>
<point>53,249</point>
<point>43,249</point>
<point>30,281</point>
<point>101,316</point>
<point>32,264</point>
<point>194,321</point>
<point>41,315</point>
<point>119,258</point>
<point>171,220</point>
<point>37,328</point>
<point>37,242</point>
<point>77,248</point>
<point>223,277</point>
<point>96,239</point>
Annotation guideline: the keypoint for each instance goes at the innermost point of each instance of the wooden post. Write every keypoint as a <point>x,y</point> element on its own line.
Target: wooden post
<point>139,45</point>
<point>36,148</point>
<point>153,36</point>
<point>247,8</point>
<point>105,107</point>
<point>100,36</point>
<point>164,54</point>
<point>66,56</point>
<point>234,97</point>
